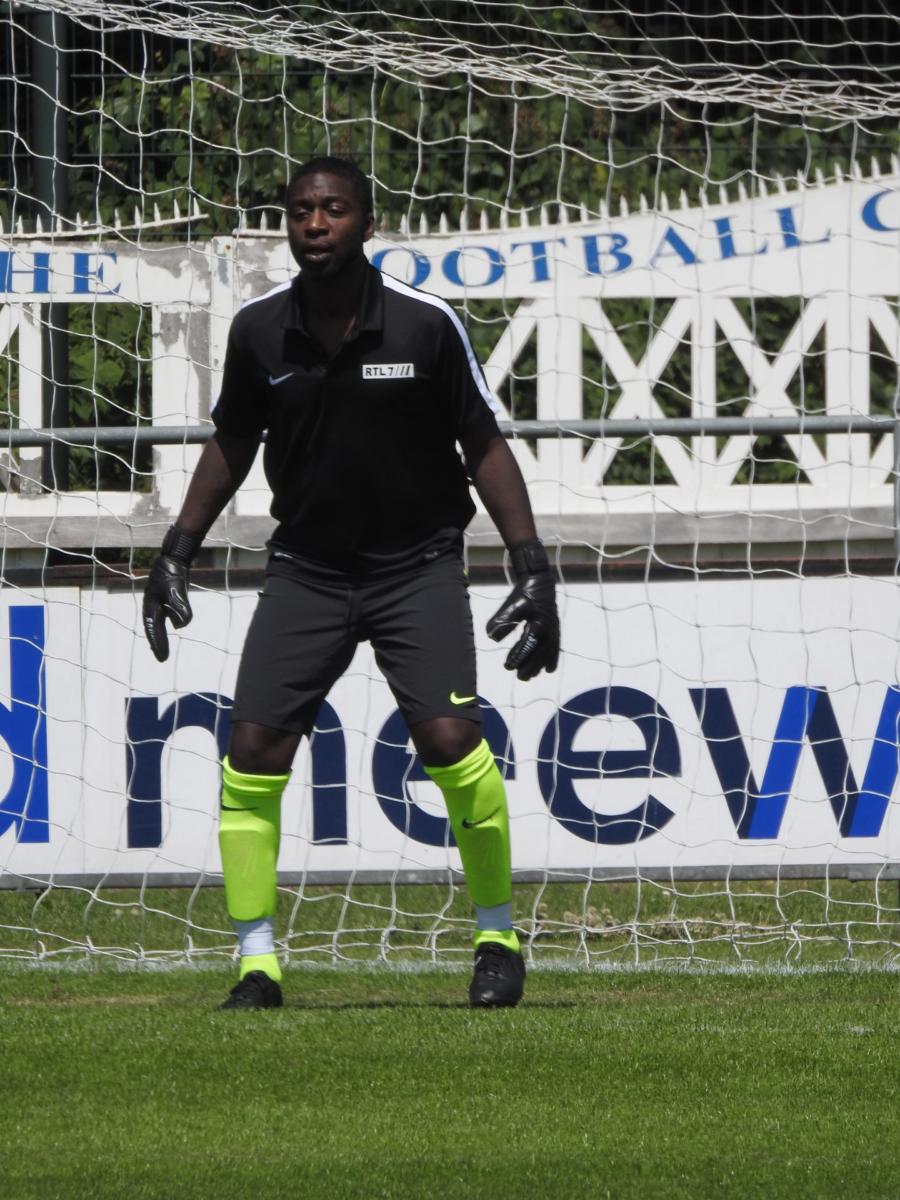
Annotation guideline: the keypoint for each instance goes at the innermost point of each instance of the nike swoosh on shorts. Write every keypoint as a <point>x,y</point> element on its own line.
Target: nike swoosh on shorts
<point>454,699</point>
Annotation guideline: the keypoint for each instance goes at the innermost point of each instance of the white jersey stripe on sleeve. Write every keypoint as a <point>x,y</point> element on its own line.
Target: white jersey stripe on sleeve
<point>279,287</point>
<point>426,298</point>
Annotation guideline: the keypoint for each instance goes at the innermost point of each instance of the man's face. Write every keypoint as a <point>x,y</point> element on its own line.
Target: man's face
<point>326,226</point>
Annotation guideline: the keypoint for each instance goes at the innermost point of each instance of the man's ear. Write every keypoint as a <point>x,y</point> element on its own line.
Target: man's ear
<point>369,227</point>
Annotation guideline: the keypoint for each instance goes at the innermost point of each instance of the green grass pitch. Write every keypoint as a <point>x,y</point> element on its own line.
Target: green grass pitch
<point>127,1084</point>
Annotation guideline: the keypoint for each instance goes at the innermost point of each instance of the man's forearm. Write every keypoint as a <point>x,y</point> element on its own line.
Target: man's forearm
<point>499,483</point>
<point>223,467</point>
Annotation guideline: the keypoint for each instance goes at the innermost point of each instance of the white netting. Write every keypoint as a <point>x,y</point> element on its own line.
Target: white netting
<point>642,217</point>
<point>593,54</point>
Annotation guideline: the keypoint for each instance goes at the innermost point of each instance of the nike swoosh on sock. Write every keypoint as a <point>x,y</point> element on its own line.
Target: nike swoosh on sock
<point>474,824</point>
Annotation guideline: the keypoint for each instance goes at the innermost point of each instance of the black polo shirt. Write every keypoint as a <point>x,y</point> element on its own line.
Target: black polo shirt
<point>360,450</point>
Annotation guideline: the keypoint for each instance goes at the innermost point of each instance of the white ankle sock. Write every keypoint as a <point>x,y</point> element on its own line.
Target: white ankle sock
<point>256,937</point>
<point>498,917</point>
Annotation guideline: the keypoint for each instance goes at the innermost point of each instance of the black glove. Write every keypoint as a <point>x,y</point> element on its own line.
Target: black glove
<point>532,600</point>
<point>166,591</point>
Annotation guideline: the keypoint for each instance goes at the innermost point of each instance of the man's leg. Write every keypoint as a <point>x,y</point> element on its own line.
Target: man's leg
<point>254,775</point>
<point>297,645</point>
<point>475,797</point>
<point>421,630</point>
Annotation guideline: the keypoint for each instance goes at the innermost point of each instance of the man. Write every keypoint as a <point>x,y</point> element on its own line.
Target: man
<point>364,387</point>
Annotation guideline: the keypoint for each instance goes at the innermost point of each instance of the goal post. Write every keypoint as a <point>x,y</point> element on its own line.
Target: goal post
<point>675,241</point>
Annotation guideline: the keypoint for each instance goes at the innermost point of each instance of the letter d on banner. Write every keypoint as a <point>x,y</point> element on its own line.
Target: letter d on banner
<point>23,727</point>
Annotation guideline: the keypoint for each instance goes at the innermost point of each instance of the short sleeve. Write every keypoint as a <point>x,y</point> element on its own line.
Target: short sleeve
<point>473,406</point>
<point>240,410</point>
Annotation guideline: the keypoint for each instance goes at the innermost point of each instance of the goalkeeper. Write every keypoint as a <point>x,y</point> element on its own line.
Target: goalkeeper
<point>363,386</point>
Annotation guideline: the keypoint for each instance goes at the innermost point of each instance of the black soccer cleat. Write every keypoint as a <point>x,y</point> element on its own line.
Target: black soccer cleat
<point>499,978</point>
<point>255,990</point>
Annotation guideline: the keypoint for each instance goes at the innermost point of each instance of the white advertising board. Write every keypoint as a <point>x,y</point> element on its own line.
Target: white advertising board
<point>691,727</point>
<point>832,247</point>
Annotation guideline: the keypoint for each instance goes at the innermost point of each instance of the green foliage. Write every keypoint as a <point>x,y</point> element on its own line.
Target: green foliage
<point>110,352</point>
<point>223,128</point>
<point>226,127</point>
<point>109,383</point>
<point>9,385</point>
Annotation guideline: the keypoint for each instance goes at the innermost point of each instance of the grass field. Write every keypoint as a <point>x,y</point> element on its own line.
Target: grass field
<point>374,1082</point>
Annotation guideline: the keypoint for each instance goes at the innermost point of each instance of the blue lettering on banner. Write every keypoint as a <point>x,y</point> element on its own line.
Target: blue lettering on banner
<point>38,269</point>
<point>495,266</point>
<point>863,813</point>
<point>594,254</point>
<point>539,264</point>
<point>147,731</point>
<point>757,810</point>
<point>88,271</point>
<point>604,253</point>
<point>23,726</point>
<point>328,767</point>
<point>673,245</point>
<point>727,247</point>
<point>790,238</point>
<point>395,767</point>
<point>29,274</point>
<point>560,765</point>
<point>870,215</point>
<point>806,713</point>
<point>421,265</point>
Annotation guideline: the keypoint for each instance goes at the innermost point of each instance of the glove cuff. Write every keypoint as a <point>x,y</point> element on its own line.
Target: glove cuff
<point>181,546</point>
<point>528,558</point>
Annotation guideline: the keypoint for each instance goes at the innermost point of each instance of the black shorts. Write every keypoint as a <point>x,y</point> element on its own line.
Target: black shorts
<point>309,621</point>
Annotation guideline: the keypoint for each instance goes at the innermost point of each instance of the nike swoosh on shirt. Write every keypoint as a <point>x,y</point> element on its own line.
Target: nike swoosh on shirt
<point>454,699</point>
<point>280,379</point>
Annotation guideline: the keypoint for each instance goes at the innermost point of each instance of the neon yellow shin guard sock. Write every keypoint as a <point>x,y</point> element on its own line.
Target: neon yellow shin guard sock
<point>476,805</point>
<point>249,832</point>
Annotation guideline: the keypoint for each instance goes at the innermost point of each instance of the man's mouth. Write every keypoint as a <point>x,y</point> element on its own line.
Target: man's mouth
<point>316,253</point>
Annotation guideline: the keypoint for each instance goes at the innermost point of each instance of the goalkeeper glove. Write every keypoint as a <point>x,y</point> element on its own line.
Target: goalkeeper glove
<point>532,600</point>
<point>166,591</point>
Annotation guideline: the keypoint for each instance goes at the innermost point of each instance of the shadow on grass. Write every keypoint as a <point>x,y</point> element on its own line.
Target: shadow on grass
<point>411,1005</point>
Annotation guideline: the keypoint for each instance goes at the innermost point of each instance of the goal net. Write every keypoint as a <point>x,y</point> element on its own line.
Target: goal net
<point>675,240</point>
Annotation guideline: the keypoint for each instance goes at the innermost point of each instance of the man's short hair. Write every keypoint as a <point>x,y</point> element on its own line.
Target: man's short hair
<point>329,164</point>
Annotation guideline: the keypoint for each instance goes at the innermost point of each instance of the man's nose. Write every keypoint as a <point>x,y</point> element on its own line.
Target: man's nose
<point>316,222</point>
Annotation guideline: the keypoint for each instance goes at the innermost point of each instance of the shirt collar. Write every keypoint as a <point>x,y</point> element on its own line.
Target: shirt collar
<point>370,314</point>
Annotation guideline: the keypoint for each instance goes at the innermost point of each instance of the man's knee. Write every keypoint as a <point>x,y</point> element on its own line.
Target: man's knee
<point>259,750</point>
<point>443,741</point>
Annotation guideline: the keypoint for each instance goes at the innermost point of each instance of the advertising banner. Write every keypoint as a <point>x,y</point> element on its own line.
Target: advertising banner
<point>691,728</point>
